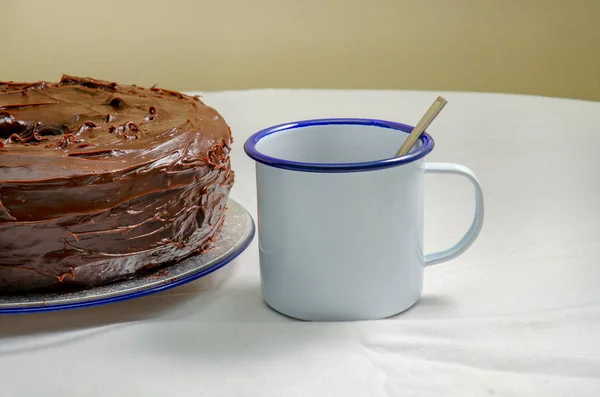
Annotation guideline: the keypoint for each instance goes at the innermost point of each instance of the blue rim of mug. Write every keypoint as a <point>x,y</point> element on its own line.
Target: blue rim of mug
<point>427,144</point>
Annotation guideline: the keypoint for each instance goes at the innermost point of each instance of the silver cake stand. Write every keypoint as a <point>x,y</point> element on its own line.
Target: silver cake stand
<point>236,235</point>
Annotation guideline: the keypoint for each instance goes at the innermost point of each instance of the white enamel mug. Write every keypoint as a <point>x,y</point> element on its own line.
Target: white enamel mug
<point>340,220</point>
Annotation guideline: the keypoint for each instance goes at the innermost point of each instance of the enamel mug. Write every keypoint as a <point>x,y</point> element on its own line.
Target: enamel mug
<point>340,220</point>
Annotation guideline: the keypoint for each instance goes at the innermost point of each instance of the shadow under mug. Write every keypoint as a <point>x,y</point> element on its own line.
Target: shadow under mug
<point>340,220</point>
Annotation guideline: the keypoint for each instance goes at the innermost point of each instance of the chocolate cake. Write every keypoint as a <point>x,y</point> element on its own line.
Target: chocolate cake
<point>99,180</point>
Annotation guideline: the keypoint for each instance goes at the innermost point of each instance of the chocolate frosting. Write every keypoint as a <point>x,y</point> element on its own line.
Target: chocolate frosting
<point>99,180</point>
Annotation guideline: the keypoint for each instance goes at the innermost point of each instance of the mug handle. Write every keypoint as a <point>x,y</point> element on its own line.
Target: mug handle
<point>465,242</point>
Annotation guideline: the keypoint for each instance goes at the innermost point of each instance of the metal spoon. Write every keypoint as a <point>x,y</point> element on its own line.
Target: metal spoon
<point>427,118</point>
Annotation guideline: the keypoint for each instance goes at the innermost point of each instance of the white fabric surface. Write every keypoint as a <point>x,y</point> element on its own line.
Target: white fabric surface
<point>517,315</point>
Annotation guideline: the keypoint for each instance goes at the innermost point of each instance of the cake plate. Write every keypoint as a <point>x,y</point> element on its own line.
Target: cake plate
<point>236,234</point>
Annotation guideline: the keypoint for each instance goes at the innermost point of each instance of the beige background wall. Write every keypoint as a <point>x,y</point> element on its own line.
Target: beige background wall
<point>543,47</point>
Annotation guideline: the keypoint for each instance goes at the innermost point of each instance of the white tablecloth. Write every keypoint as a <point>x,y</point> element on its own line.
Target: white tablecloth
<point>517,315</point>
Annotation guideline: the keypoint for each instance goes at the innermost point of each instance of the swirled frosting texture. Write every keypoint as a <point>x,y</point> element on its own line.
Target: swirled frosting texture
<point>99,180</point>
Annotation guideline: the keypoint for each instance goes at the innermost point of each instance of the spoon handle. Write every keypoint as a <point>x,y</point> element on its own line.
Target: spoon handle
<point>427,118</point>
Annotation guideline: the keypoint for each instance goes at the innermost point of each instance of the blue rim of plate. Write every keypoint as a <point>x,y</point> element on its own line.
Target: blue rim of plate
<point>427,144</point>
<point>236,213</point>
